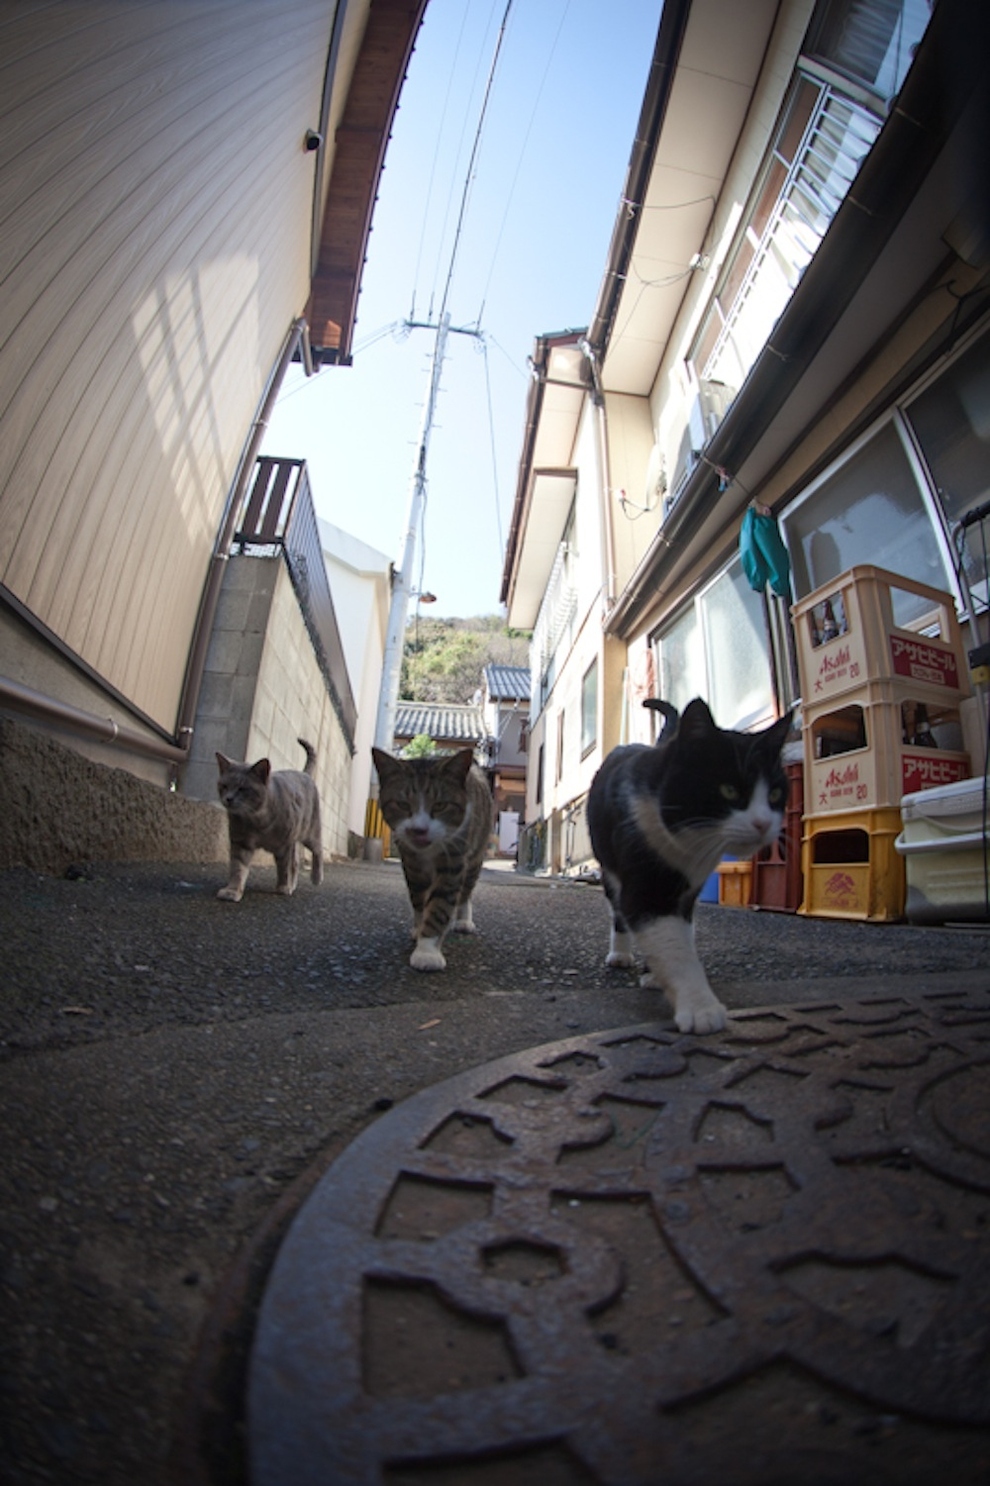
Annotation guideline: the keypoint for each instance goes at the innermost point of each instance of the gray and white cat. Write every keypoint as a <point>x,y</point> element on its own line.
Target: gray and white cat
<point>661,818</point>
<point>275,810</point>
<point>440,813</point>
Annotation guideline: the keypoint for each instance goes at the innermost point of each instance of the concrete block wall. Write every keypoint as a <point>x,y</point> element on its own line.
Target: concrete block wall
<point>263,689</point>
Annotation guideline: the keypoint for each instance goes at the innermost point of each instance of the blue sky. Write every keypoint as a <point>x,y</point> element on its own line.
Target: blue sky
<point>547,182</point>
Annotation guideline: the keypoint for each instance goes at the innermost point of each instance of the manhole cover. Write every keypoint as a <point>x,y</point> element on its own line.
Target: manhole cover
<point>636,1257</point>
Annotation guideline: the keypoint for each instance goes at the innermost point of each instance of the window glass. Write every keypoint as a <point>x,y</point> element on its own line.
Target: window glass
<point>682,661</point>
<point>589,708</point>
<point>869,510</point>
<point>873,41</point>
<point>736,650</point>
<point>951,420</point>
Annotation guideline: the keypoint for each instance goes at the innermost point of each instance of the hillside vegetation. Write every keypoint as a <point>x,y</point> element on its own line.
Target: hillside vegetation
<point>443,658</point>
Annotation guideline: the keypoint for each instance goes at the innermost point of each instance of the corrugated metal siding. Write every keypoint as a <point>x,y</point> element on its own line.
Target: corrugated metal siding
<point>155,209</point>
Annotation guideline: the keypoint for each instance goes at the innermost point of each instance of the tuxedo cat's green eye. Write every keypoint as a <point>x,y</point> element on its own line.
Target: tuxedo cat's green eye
<point>728,792</point>
<point>776,795</point>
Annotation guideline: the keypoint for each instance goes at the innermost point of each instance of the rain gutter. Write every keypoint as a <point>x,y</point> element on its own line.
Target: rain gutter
<point>948,67</point>
<point>673,25</point>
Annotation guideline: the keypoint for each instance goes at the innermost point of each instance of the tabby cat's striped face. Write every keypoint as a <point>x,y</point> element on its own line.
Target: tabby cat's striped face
<point>424,800</point>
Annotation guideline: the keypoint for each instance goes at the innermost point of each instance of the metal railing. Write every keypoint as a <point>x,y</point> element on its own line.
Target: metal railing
<point>279,515</point>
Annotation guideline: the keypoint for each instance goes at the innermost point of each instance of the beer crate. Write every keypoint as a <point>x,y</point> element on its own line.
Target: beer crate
<point>851,868</point>
<point>870,624</point>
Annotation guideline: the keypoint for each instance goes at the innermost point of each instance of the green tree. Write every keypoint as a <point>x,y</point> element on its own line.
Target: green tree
<point>422,746</point>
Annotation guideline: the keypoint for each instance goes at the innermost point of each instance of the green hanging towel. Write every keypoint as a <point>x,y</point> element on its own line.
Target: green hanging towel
<point>764,556</point>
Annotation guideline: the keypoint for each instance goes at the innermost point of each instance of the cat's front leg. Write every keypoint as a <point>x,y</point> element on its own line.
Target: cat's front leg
<point>240,862</point>
<point>287,865</point>
<point>464,919</point>
<point>667,945</point>
<point>427,955</point>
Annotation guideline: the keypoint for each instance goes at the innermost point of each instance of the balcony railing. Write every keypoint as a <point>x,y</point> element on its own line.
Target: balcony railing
<point>279,515</point>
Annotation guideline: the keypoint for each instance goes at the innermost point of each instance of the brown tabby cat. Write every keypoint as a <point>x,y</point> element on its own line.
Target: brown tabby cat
<point>275,811</point>
<point>440,812</point>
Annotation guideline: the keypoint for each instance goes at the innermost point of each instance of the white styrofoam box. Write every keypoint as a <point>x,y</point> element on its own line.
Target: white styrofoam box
<point>945,845</point>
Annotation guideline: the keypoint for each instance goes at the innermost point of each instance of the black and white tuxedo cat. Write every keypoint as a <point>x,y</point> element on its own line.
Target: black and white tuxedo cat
<point>661,818</point>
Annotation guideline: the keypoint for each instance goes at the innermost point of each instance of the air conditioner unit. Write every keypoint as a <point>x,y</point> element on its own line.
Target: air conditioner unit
<point>706,410</point>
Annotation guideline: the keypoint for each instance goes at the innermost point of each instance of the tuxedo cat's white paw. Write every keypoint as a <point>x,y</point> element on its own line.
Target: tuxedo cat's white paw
<point>701,1015</point>
<point>427,956</point>
<point>231,894</point>
<point>620,958</point>
<point>463,926</point>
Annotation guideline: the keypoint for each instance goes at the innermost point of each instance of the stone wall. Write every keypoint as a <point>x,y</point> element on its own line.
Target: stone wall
<point>263,689</point>
<point>59,809</point>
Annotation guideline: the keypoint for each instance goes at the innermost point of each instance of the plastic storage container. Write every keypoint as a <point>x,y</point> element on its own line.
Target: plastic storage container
<point>947,856</point>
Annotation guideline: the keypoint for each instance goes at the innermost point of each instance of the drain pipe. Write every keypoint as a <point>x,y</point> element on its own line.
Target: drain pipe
<point>24,699</point>
<point>604,472</point>
<point>298,332</point>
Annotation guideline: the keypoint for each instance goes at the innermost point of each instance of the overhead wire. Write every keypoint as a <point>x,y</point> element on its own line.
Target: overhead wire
<point>519,162</point>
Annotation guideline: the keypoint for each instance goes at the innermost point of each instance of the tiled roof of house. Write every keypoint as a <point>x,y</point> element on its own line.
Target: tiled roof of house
<point>444,722</point>
<point>508,683</point>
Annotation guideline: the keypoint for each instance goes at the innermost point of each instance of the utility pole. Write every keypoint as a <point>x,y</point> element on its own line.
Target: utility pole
<point>402,576</point>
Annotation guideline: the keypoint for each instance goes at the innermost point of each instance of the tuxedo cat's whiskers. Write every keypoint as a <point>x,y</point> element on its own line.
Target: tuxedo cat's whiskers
<point>661,819</point>
<point>440,811</point>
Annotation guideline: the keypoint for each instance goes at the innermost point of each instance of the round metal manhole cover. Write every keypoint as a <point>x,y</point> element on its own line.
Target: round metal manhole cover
<point>635,1257</point>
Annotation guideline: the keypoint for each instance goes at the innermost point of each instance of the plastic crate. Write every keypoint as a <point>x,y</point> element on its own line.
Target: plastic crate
<point>777,880</point>
<point>881,769</point>
<point>735,883</point>
<point>851,867</point>
<point>847,633</point>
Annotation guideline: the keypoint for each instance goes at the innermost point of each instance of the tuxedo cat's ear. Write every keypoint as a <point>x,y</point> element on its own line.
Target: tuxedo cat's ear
<point>460,764</point>
<point>262,769</point>
<point>775,736</point>
<point>696,721</point>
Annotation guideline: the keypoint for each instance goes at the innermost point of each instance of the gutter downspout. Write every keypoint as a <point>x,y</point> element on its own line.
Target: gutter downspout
<point>298,331</point>
<point>604,474</point>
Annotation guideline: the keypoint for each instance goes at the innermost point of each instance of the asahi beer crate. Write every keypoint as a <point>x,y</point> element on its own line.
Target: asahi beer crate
<point>871,746</point>
<point>870,624</point>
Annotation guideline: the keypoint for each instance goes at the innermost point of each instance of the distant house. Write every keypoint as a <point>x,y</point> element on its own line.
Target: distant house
<point>505,701</point>
<point>359,581</point>
<point>451,725</point>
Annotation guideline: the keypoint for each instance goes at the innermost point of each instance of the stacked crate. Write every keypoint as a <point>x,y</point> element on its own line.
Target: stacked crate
<point>880,720</point>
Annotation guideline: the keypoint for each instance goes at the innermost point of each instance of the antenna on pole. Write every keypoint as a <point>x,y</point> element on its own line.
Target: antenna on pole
<point>402,575</point>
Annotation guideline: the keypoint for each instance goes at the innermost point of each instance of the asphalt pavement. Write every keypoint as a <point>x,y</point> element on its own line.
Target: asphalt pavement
<point>177,1071</point>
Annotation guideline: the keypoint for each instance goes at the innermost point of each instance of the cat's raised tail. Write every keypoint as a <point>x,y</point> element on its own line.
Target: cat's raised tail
<point>310,765</point>
<point>671,716</point>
